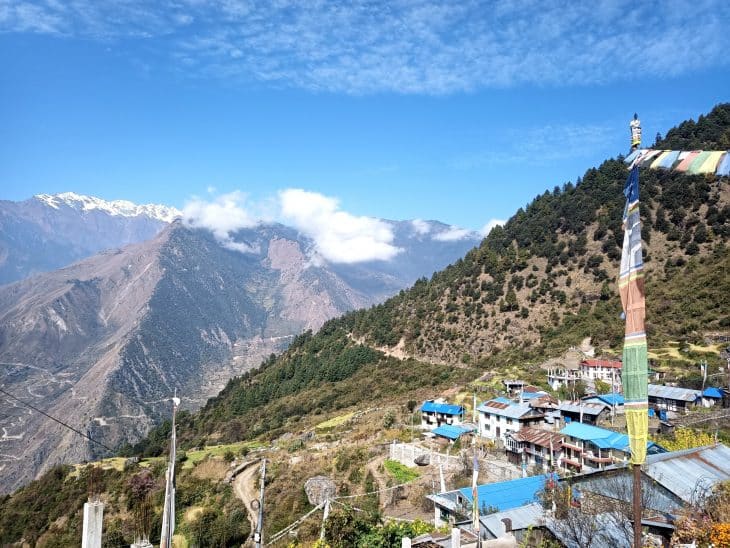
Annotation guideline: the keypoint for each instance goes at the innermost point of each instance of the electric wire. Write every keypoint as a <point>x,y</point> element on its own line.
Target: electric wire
<point>34,408</point>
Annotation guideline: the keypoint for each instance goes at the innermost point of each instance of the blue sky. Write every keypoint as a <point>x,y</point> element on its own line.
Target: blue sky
<point>458,111</point>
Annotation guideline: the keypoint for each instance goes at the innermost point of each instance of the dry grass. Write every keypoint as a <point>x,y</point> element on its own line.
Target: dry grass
<point>192,513</point>
<point>213,468</point>
<point>335,422</point>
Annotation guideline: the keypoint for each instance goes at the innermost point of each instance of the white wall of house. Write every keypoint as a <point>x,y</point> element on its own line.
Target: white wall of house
<point>496,427</point>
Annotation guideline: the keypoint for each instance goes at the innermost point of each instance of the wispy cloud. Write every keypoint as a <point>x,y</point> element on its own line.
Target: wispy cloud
<point>540,146</point>
<point>407,46</point>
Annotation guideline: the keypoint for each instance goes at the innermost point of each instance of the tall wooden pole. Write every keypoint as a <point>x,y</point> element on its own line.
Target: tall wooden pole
<point>637,505</point>
<point>259,535</point>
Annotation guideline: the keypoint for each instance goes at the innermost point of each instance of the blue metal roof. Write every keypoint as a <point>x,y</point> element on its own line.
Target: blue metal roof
<point>445,408</point>
<point>712,392</point>
<point>502,399</point>
<point>531,395</point>
<point>451,432</point>
<point>507,494</point>
<point>610,399</point>
<point>602,438</point>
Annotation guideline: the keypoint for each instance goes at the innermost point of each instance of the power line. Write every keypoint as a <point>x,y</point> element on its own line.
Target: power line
<point>34,408</point>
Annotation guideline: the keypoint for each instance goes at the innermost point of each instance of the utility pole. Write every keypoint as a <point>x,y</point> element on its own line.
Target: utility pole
<point>259,534</point>
<point>168,512</point>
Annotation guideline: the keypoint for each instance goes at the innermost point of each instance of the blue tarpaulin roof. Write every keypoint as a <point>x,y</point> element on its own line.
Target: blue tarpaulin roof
<point>451,432</point>
<point>508,494</point>
<point>712,392</point>
<point>445,408</point>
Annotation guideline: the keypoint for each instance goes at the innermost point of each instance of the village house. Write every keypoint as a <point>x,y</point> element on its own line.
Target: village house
<point>601,369</point>
<point>434,413</point>
<point>534,447</point>
<point>585,412</point>
<point>588,371</point>
<point>711,396</point>
<point>614,401</point>
<point>561,376</point>
<point>513,386</point>
<point>452,432</point>
<point>452,507</point>
<point>530,392</point>
<point>500,416</point>
<point>587,448</point>
<point>673,399</point>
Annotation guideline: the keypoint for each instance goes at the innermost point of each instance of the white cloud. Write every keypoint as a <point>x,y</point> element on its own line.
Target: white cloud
<point>339,236</point>
<point>454,233</point>
<point>424,47</point>
<point>420,226</point>
<point>487,228</point>
<point>222,216</point>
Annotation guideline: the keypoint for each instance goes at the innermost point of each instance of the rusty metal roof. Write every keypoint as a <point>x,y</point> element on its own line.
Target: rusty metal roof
<point>538,436</point>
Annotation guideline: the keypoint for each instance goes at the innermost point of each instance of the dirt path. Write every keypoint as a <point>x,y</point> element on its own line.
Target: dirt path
<point>245,489</point>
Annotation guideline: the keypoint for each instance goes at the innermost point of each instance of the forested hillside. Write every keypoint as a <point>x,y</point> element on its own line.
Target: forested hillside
<point>532,288</point>
<point>542,282</point>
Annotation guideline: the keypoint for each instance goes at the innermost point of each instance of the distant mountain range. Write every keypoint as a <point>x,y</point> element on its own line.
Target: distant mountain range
<point>101,342</point>
<point>50,231</point>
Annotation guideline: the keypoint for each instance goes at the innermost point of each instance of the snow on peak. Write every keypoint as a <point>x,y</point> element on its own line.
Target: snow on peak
<point>122,208</point>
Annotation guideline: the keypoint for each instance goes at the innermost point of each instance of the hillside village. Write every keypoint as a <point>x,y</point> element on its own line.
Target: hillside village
<point>370,431</point>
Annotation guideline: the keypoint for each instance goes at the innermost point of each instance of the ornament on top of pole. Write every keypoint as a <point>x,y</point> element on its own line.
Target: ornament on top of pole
<point>635,126</point>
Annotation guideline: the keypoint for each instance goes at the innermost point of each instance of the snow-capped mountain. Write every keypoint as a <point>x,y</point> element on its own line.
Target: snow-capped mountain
<point>122,208</point>
<point>48,231</point>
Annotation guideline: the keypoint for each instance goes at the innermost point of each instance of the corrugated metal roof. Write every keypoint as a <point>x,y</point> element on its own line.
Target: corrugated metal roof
<point>674,393</point>
<point>522,517</point>
<point>512,411</point>
<point>451,432</point>
<point>608,399</point>
<point>507,494</point>
<point>588,408</point>
<point>538,436</point>
<point>502,399</point>
<point>445,408</point>
<point>600,436</point>
<point>692,472</point>
<point>612,364</point>
<point>531,395</point>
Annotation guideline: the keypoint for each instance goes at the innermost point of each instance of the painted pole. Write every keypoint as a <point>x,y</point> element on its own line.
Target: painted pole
<point>259,535</point>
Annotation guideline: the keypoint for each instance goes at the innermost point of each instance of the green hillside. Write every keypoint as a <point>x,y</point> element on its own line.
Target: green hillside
<point>541,283</point>
<point>532,288</point>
